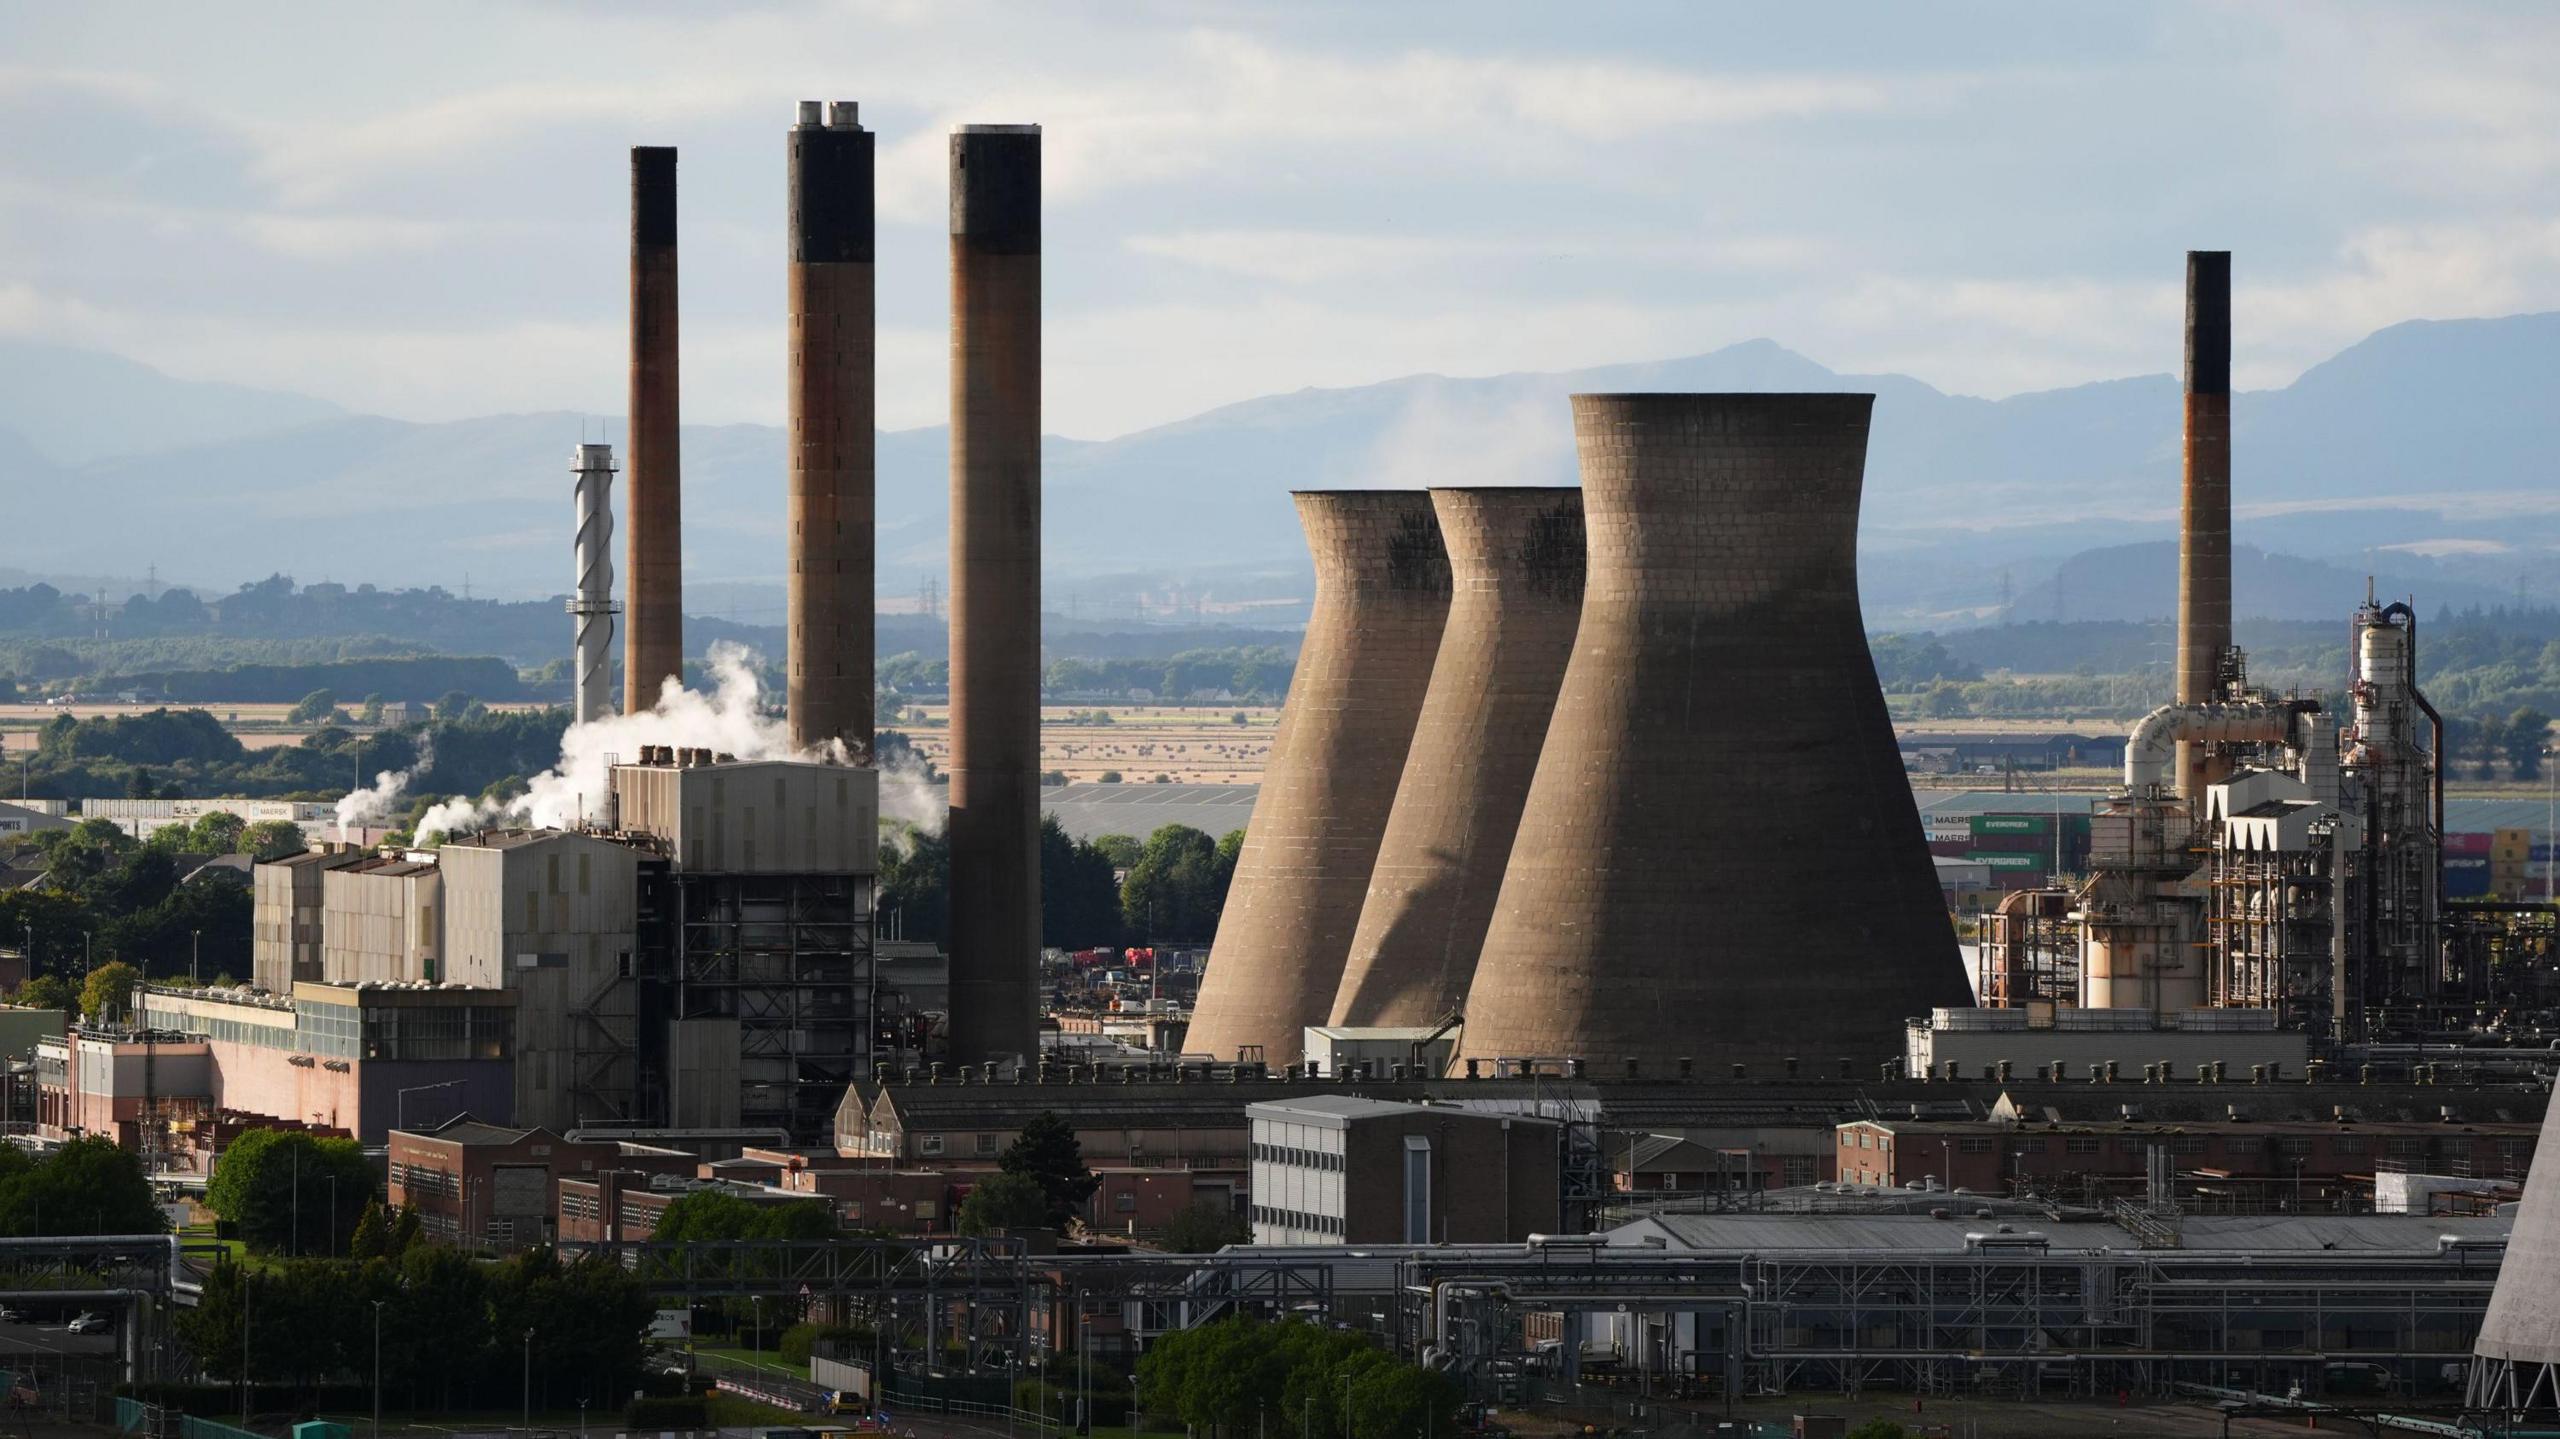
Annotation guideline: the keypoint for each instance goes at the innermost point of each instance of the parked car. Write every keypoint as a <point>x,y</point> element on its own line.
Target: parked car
<point>12,1316</point>
<point>92,1322</point>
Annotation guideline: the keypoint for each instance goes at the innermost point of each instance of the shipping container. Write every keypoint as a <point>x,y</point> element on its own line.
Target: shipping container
<point>2467,844</point>
<point>1997,860</point>
<point>2466,883</point>
<point>1988,824</point>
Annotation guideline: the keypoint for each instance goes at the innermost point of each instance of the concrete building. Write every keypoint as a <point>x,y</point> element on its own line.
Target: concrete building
<point>2034,1035</point>
<point>19,821</point>
<point>285,933</point>
<point>1197,1129</point>
<point>381,920</point>
<point>1515,563</point>
<point>1382,599</point>
<point>1340,1169</point>
<point>1720,741</point>
<point>143,818</point>
<point>362,1059</point>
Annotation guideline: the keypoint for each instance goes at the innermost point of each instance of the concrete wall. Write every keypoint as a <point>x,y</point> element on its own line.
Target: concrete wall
<point>1720,857</point>
<point>1382,598</point>
<point>382,924</point>
<point>551,918</point>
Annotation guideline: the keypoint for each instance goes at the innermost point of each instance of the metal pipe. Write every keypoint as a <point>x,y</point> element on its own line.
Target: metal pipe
<point>653,641</point>
<point>591,605</point>
<point>2158,737</point>
<point>2204,528</point>
<point>995,591</point>
<point>828,645</point>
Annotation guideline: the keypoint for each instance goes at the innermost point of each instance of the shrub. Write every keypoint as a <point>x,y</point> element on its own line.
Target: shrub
<point>693,1412</point>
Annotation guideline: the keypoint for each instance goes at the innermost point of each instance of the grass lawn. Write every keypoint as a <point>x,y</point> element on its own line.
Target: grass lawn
<point>767,1358</point>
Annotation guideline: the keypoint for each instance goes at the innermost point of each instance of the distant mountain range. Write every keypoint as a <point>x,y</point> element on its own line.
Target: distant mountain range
<point>2424,451</point>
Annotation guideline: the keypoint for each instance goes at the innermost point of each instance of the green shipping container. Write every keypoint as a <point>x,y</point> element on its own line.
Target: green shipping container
<point>2008,861</point>
<point>2012,824</point>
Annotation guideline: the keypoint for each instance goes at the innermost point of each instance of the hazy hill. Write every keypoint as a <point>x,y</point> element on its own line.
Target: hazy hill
<point>2428,434</point>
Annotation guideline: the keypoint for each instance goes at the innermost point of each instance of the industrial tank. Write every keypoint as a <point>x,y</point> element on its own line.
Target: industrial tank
<point>1515,560</point>
<point>1382,596</point>
<point>1720,857</point>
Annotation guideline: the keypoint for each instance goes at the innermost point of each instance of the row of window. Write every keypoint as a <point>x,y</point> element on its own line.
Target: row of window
<point>1303,1158</point>
<point>933,1144</point>
<point>1293,1219</point>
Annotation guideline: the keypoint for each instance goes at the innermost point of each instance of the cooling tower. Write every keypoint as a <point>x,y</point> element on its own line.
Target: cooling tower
<point>2204,529</point>
<point>1515,565</point>
<point>1382,598</point>
<point>828,658</point>
<point>995,591</point>
<point>1720,858</point>
<point>653,632</point>
<point>2516,1361</point>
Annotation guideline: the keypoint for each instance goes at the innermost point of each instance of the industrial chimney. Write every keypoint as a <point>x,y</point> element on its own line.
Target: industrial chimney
<point>995,591</point>
<point>1515,563</point>
<point>591,605</point>
<point>2204,522</point>
<point>1382,599</point>
<point>828,649</point>
<point>653,642</point>
<point>1720,853</point>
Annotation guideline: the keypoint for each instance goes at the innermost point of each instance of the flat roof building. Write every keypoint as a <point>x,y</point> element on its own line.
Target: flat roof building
<point>1341,1169</point>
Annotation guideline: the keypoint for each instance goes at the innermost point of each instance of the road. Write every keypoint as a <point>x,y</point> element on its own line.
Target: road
<point>52,1338</point>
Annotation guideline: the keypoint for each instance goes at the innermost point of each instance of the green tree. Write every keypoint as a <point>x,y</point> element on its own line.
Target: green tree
<point>287,1190</point>
<point>1944,701</point>
<point>273,839</point>
<point>1173,891</point>
<point>217,831</point>
<point>452,705</point>
<point>710,1215</point>
<point>90,1185</point>
<point>915,884</point>
<point>313,708</point>
<point>1879,1429</point>
<point>1079,893</point>
<point>372,1236</point>
<point>108,994</point>
<point>372,712</point>
<point>406,1231</point>
<point>1047,1153</point>
<point>1205,1226</point>
<point>2527,735</point>
<point>46,991</point>
<point>1005,1201</point>
<point>1122,850</point>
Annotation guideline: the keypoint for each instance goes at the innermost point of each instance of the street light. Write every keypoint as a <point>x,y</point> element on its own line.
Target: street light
<point>195,957</point>
<point>528,1381</point>
<point>377,1369</point>
<point>758,1301</point>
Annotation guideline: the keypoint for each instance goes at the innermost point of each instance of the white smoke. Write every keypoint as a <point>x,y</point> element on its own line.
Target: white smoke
<point>1442,437</point>
<point>378,803</point>
<point>730,720</point>
<point>910,800</point>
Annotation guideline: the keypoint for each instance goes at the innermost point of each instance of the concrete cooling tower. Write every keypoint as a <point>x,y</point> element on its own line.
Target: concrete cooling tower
<point>1720,858</point>
<point>2515,1366</point>
<point>1515,561</point>
<point>1382,596</point>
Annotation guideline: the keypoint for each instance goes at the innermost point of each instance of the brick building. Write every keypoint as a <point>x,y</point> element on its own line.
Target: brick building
<point>488,1185</point>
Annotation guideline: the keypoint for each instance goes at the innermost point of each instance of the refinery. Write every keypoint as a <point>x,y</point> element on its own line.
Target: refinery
<point>1591,1024</point>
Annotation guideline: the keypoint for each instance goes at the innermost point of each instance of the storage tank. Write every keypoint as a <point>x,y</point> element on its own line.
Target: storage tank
<point>1720,857</point>
<point>1382,597</point>
<point>1515,563</point>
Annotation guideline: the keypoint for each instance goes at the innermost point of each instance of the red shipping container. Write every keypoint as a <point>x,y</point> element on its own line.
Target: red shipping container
<point>2466,844</point>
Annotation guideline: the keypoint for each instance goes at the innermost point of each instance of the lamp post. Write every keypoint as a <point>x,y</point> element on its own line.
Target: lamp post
<point>244,1341</point>
<point>528,1381</point>
<point>195,957</point>
<point>1346,1406</point>
<point>758,1301</point>
<point>377,1369</point>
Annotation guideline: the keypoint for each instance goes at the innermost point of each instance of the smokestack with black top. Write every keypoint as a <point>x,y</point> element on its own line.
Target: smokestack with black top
<point>2204,529</point>
<point>828,648</point>
<point>653,634</point>
<point>995,590</point>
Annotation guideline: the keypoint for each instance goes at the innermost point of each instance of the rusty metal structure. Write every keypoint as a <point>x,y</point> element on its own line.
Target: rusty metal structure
<point>1382,600</point>
<point>995,591</point>
<point>829,644</point>
<point>1719,754</point>
<point>1515,564</point>
<point>653,569</point>
<point>2204,527</point>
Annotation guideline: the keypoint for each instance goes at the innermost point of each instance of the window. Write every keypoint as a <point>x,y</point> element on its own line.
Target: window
<point>2031,1146</point>
<point>929,1144</point>
<point>2083,1144</point>
<point>1125,1202</point>
<point>2348,1144</point>
<point>2293,1148</point>
<point>986,1144</point>
<point>1973,1146</point>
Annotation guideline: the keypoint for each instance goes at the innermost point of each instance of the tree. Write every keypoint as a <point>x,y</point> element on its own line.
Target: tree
<point>915,884</point>
<point>1879,1429</point>
<point>372,1236</point>
<point>90,1185</point>
<point>1047,1153</point>
<point>452,705</point>
<point>707,1215</point>
<point>108,994</point>
<point>313,708</point>
<point>1205,1226</point>
<point>405,1233</point>
<point>275,1187</point>
<point>1121,849</point>
<point>217,832</point>
<point>46,991</point>
<point>1177,888</point>
<point>1002,1202</point>
<point>372,712</point>
<point>273,839</point>
<point>1079,893</point>
<point>1944,701</point>
<point>2528,733</point>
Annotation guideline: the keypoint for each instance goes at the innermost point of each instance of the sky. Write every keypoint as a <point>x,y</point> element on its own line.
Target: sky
<point>421,210</point>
